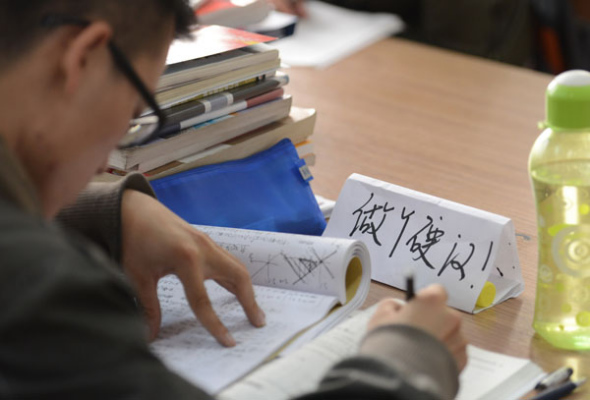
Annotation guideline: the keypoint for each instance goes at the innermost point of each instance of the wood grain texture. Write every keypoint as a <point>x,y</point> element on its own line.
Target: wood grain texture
<point>449,125</point>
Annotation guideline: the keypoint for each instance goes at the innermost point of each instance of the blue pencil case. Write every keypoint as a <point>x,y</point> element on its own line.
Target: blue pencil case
<point>268,191</point>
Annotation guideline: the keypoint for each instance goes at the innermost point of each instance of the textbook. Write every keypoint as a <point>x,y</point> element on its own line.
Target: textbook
<point>203,67</point>
<point>297,127</point>
<point>217,101</point>
<point>304,284</point>
<point>177,123</point>
<point>217,83</point>
<point>487,376</point>
<point>199,137</point>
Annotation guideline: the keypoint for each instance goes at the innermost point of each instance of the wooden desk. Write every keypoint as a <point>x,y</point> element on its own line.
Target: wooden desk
<point>446,124</point>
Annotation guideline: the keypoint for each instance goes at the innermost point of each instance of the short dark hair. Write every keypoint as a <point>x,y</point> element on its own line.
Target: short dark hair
<point>135,22</point>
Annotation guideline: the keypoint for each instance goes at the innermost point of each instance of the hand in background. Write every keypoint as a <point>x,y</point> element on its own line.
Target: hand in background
<point>156,242</point>
<point>427,311</point>
<point>296,7</point>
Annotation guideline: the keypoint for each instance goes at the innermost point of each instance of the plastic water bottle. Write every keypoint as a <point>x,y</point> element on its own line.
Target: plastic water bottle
<point>559,167</point>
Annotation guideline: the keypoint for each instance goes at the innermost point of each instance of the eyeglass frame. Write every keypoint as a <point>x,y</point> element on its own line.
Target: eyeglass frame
<point>124,65</point>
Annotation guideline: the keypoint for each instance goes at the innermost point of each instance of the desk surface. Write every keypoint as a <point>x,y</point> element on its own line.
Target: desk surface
<point>446,124</point>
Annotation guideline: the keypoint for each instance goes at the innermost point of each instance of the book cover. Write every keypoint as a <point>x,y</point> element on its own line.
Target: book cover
<point>209,40</point>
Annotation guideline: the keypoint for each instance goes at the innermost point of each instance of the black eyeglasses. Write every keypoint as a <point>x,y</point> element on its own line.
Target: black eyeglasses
<point>143,129</point>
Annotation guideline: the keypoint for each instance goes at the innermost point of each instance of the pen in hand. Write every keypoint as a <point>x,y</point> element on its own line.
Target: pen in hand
<point>410,286</point>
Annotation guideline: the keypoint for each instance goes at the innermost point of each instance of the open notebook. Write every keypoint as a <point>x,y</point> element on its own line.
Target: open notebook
<point>305,285</point>
<point>487,376</point>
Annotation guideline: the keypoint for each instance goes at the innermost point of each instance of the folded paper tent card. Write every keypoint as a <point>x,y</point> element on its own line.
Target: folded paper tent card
<point>465,249</point>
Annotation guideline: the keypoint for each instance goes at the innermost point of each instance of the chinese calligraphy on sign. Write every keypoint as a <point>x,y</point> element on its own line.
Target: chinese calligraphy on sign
<point>443,242</point>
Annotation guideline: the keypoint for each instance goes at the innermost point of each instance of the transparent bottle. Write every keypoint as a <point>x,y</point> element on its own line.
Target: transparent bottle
<point>559,167</point>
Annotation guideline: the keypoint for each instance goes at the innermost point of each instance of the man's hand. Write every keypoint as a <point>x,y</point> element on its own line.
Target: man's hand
<point>427,311</point>
<point>156,242</point>
<point>295,7</point>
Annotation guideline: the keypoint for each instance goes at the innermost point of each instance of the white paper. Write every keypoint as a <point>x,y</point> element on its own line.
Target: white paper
<point>442,242</point>
<point>295,262</point>
<point>188,349</point>
<point>301,371</point>
<point>330,33</point>
<point>301,279</point>
<point>485,370</point>
<point>487,376</point>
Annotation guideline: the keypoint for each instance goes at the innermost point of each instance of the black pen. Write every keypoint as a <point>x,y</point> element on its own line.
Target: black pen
<point>557,392</point>
<point>554,378</point>
<point>409,286</point>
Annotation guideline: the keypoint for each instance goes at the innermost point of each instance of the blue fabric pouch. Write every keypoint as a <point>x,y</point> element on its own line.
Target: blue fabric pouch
<point>268,191</point>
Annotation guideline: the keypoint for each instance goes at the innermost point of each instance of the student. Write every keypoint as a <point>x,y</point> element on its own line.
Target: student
<point>72,74</point>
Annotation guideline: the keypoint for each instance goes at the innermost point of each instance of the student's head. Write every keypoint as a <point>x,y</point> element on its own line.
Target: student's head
<point>64,101</point>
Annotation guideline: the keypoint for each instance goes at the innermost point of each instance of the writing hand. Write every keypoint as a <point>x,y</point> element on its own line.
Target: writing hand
<point>427,311</point>
<point>156,242</point>
<point>295,7</point>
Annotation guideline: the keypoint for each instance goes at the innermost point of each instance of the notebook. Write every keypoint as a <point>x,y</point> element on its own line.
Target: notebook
<point>487,376</point>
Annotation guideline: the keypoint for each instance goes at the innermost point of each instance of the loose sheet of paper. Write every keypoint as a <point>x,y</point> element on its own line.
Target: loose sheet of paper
<point>188,349</point>
<point>443,242</point>
<point>331,33</point>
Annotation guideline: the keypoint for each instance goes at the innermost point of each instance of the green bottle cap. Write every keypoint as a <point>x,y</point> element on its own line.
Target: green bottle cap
<point>568,101</point>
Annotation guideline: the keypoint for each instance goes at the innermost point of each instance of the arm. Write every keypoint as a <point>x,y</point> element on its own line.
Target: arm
<point>97,212</point>
<point>412,352</point>
<point>150,242</point>
<point>69,325</point>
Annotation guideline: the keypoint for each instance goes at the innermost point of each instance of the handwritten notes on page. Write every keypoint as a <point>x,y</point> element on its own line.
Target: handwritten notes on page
<point>331,266</point>
<point>329,34</point>
<point>189,350</point>
<point>441,241</point>
<point>296,262</point>
<point>298,280</point>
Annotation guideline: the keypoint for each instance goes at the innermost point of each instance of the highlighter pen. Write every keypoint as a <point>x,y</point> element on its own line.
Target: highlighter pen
<point>409,286</point>
<point>560,391</point>
<point>554,378</point>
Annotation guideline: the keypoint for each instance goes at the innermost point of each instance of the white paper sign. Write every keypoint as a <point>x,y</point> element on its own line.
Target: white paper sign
<point>443,242</point>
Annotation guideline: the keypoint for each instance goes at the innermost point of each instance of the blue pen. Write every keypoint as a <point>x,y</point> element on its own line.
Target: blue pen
<point>557,392</point>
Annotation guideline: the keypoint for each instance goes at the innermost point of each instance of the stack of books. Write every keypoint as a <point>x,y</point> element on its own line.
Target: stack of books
<point>223,96</point>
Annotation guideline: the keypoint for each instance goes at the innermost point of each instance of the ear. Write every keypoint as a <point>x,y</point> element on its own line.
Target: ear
<point>85,45</point>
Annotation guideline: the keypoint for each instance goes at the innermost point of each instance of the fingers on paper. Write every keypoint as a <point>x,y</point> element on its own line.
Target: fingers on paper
<point>198,299</point>
<point>242,288</point>
<point>231,274</point>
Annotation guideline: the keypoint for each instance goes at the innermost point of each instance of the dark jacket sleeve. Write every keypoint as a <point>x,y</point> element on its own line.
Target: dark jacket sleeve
<point>69,328</point>
<point>395,362</point>
<point>97,212</point>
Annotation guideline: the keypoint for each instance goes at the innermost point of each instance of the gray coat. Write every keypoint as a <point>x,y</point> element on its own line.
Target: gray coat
<point>70,328</point>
